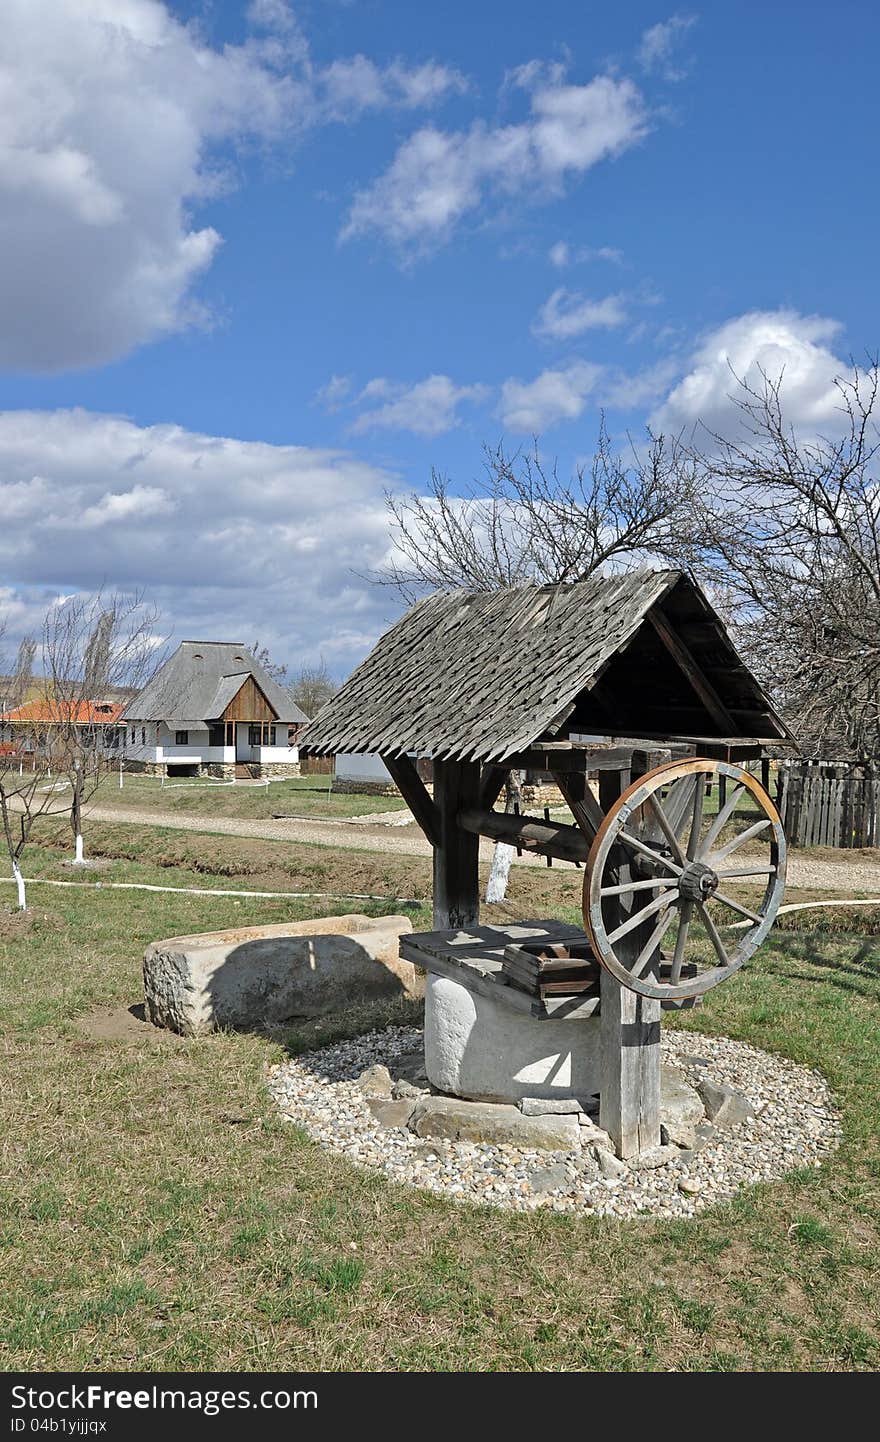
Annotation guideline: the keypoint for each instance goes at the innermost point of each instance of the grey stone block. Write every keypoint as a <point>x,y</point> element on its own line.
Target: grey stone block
<point>251,976</point>
<point>725,1106</point>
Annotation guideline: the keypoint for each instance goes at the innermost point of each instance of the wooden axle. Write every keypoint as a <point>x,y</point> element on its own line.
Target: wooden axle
<point>547,838</point>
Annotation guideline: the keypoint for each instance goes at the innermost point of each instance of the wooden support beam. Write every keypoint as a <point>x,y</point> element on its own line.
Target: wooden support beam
<point>685,659</point>
<point>580,800</point>
<point>457,852</point>
<point>547,838</point>
<point>492,778</point>
<point>414,792</point>
<point>629,1094</point>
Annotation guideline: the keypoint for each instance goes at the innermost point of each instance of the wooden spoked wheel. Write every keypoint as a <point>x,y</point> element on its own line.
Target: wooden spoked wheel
<point>671,890</point>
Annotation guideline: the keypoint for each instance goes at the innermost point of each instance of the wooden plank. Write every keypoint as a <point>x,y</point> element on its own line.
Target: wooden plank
<point>629,1097</point>
<point>414,792</point>
<point>682,654</point>
<point>457,852</point>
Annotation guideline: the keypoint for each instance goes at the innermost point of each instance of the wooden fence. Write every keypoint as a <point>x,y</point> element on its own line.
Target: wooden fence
<point>829,803</point>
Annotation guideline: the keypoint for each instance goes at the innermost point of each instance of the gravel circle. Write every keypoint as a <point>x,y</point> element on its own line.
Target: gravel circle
<point>796,1125</point>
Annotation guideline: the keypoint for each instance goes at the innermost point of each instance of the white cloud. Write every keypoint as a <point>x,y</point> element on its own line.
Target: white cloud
<point>234,539</point>
<point>554,396</point>
<point>779,343</point>
<point>437,177</point>
<point>347,89</point>
<point>659,47</point>
<point>562,254</point>
<point>116,122</point>
<point>563,393</point>
<point>567,313</point>
<point>333,396</point>
<point>427,409</point>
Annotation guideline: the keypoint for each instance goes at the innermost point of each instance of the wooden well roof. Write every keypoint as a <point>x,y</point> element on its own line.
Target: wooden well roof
<point>482,676</point>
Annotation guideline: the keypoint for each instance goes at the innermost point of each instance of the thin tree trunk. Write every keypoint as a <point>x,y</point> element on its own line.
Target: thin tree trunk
<point>502,856</point>
<point>76,816</point>
<point>19,882</point>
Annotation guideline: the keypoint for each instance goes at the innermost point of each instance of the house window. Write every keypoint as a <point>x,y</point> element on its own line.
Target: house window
<point>143,735</point>
<point>255,736</point>
<point>181,738</point>
<point>217,734</point>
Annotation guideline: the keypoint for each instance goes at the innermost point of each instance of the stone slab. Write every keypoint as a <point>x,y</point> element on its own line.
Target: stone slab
<point>453,1119</point>
<point>250,976</point>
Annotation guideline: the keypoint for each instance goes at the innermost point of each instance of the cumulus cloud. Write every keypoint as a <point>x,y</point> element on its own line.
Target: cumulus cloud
<point>567,313</point>
<point>117,121</point>
<point>427,408</point>
<point>438,176</point>
<point>660,45</point>
<point>777,343</point>
<point>233,539</point>
<point>563,393</point>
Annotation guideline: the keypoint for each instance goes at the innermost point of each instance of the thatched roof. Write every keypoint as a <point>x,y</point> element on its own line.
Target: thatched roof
<point>481,676</point>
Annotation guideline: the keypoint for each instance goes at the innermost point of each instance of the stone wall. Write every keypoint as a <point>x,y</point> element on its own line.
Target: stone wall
<point>365,788</point>
<point>275,770</point>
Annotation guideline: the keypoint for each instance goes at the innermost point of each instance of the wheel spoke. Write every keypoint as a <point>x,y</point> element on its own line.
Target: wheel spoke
<point>648,851</point>
<point>712,930</point>
<point>687,912</point>
<point>678,802</point>
<point>736,906</point>
<point>667,830</point>
<point>747,871</point>
<point>721,819</point>
<point>696,819</point>
<point>746,835</point>
<point>638,917</point>
<point>626,886</point>
<point>652,943</point>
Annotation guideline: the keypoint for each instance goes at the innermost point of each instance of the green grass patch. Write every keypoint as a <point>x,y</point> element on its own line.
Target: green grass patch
<point>156,1213</point>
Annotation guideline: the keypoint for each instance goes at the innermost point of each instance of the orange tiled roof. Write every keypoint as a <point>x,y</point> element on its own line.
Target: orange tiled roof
<point>80,713</point>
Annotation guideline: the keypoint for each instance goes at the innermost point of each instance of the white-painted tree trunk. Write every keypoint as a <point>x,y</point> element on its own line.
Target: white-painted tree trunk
<point>502,856</point>
<point>78,858</point>
<point>496,888</point>
<point>19,882</point>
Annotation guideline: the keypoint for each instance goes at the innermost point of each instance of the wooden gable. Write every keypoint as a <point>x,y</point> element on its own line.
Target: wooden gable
<point>249,704</point>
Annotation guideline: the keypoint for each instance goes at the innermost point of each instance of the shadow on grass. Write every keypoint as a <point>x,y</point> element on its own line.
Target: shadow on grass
<point>851,963</point>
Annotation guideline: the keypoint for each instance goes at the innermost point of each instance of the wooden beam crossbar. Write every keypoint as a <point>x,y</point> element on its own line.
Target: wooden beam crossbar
<point>548,838</point>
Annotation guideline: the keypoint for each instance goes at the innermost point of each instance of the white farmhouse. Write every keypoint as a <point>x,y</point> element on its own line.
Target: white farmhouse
<point>213,710</point>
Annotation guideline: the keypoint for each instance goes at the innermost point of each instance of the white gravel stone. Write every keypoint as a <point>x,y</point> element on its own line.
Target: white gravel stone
<point>796,1125</point>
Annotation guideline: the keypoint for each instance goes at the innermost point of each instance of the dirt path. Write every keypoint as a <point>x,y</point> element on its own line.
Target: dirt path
<point>850,873</point>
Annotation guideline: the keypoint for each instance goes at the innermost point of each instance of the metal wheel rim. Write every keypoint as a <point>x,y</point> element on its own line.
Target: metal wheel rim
<point>609,836</point>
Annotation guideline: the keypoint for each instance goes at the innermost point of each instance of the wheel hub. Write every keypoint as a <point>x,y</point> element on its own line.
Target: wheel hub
<point>697,882</point>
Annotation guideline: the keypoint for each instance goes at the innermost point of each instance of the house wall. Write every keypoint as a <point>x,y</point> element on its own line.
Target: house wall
<point>363,773</point>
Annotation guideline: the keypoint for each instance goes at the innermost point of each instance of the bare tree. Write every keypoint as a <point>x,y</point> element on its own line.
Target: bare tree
<point>24,670</point>
<point>93,649</point>
<point>521,522</point>
<point>313,687</point>
<point>786,532</point>
<point>23,793</point>
<point>275,669</point>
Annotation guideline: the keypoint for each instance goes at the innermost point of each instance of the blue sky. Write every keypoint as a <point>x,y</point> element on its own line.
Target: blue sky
<point>259,262</point>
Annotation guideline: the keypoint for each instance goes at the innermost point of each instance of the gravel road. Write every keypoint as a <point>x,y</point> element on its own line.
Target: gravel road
<point>856,874</point>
